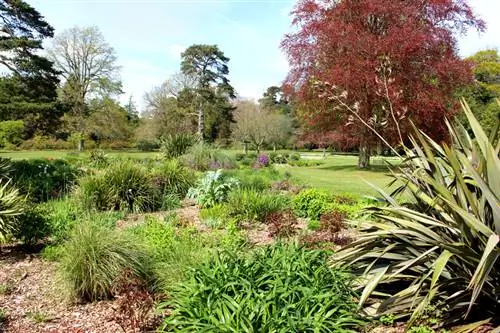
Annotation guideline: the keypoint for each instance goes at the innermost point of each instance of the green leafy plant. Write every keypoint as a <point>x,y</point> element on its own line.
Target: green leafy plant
<point>177,145</point>
<point>280,288</point>
<point>212,188</point>
<point>173,249</point>
<point>98,158</point>
<point>215,216</point>
<point>173,178</point>
<point>443,245</point>
<point>12,206</point>
<point>249,205</point>
<point>121,186</point>
<point>95,256</point>
<point>312,203</point>
<point>61,216</point>
<point>43,179</point>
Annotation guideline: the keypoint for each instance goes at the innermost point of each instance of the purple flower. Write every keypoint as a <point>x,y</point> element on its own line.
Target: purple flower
<point>263,160</point>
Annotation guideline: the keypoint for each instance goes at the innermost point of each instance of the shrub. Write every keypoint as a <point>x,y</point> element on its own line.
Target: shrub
<point>12,206</point>
<point>312,203</point>
<point>249,205</point>
<point>94,257</point>
<point>443,246</point>
<point>203,157</point>
<point>121,186</point>
<point>11,133</point>
<point>43,179</point>
<point>173,178</point>
<point>281,288</point>
<point>170,201</point>
<point>177,145</point>
<point>32,226</point>
<point>147,145</point>
<point>98,158</point>
<point>212,188</point>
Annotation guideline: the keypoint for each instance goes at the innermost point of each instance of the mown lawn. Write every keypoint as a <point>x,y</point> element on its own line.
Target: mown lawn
<point>340,174</point>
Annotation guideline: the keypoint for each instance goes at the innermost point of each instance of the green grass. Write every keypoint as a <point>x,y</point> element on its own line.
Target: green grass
<point>339,174</point>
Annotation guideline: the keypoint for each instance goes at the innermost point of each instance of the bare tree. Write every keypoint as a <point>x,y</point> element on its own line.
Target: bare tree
<point>257,126</point>
<point>87,62</point>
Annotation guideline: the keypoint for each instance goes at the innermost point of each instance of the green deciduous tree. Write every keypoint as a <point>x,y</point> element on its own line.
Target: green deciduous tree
<point>486,88</point>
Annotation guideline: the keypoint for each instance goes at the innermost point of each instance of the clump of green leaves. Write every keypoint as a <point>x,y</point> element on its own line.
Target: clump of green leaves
<point>177,145</point>
<point>312,203</point>
<point>442,247</point>
<point>121,186</point>
<point>95,257</point>
<point>12,206</point>
<point>251,205</point>
<point>280,288</point>
<point>212,188</point>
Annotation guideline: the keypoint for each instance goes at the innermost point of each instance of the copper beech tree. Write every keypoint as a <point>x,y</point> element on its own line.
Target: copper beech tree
<point>367,66</point>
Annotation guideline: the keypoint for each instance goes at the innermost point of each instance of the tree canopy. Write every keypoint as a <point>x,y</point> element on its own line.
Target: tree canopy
<point>383,62</point>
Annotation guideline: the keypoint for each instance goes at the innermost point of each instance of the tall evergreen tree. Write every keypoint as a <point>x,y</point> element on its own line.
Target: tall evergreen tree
<point>28,91</point>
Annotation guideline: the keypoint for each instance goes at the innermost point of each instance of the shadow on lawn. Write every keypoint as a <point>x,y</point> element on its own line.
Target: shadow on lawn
<point>373,168</point>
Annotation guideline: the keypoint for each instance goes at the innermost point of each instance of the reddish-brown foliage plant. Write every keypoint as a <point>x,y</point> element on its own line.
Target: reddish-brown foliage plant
<point>389,61</point>
<point>282,224</point>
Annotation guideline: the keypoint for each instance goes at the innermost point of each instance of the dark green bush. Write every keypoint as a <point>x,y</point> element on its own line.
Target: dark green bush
<point>147,145</point>
<point>95,257</point>
<point>124,186</point>
<point>33,226</point>
<point>280,288</point>
<point>177,145</point>
<point>43,179</point>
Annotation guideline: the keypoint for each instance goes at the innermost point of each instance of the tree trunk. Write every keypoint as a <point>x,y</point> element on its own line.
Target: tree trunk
<point>364,153</point>
<point>274,147</point>
<point>201,123</point>
<point>246,147</point>
<point>81,145</point>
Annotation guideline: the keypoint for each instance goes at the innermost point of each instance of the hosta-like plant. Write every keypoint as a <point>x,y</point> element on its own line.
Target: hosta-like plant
<point>212,188</point>
<point>442,246</point>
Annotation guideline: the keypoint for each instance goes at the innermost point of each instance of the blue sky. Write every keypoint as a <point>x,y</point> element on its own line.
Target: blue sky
<point>149,35</point>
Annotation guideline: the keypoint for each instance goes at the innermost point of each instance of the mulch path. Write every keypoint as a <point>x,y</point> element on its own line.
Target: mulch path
<point>32,302</point>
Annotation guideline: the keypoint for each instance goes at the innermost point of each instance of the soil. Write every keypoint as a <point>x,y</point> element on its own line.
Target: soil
<point>32,302</point>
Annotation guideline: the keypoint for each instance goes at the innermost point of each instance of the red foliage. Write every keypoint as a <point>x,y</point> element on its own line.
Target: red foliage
<point>345,43</point>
